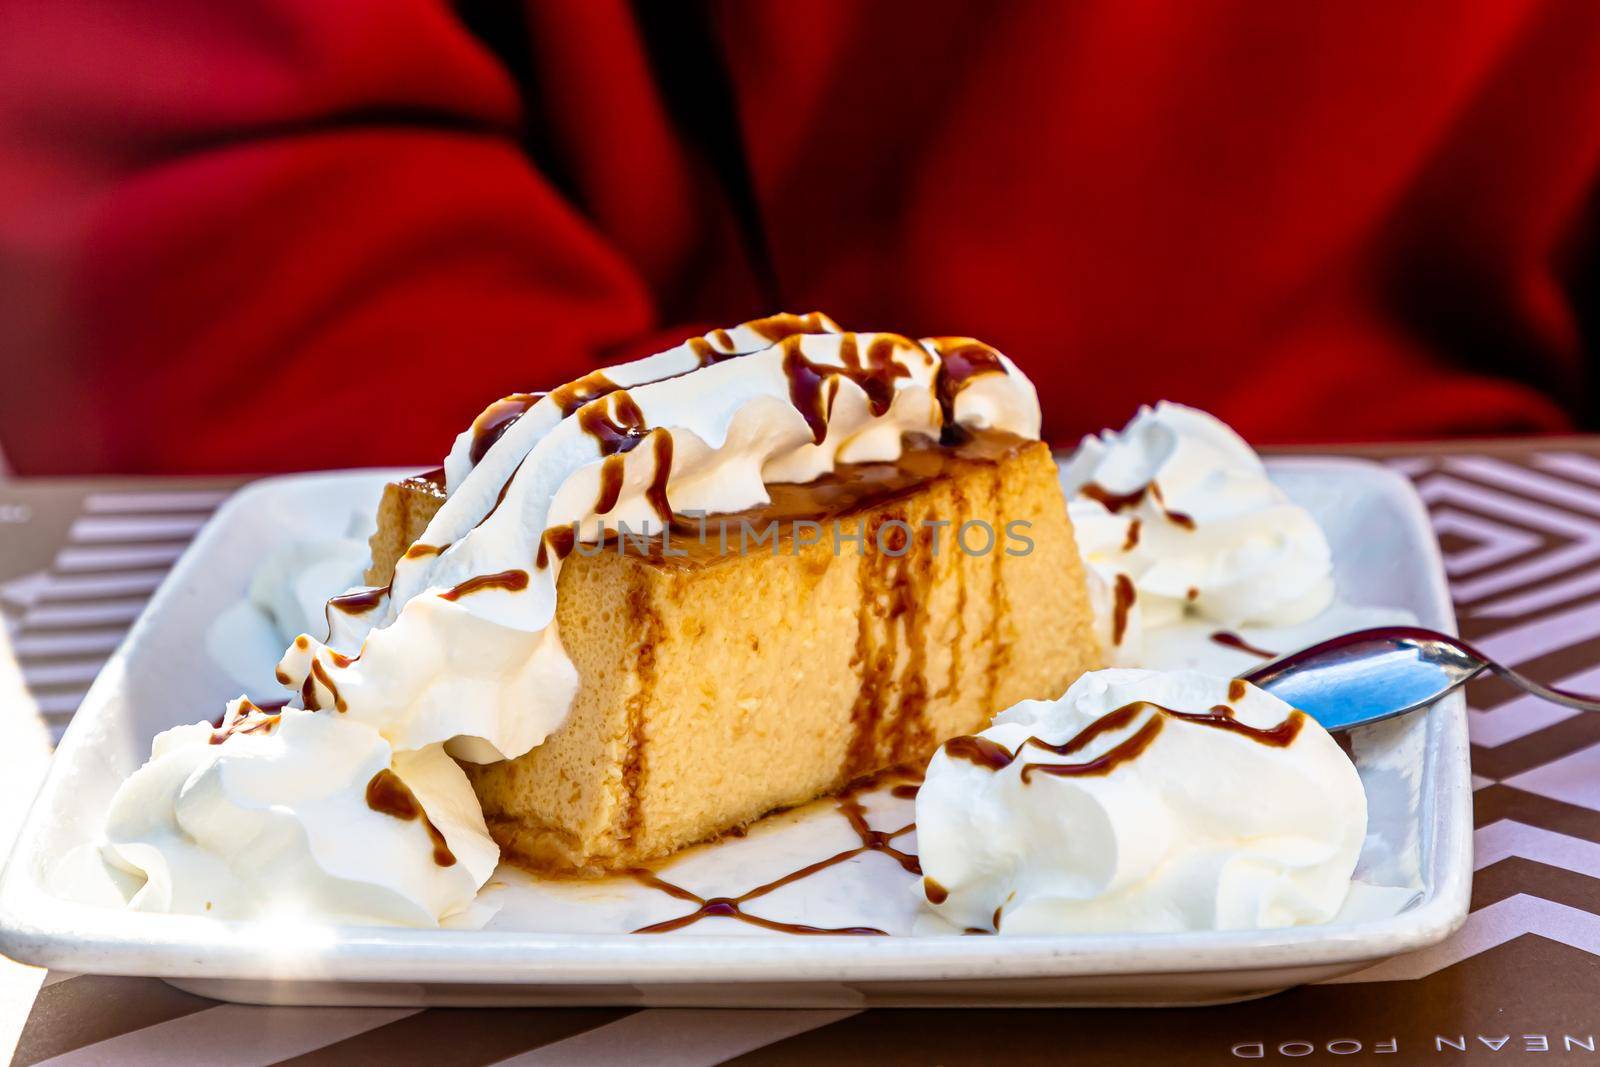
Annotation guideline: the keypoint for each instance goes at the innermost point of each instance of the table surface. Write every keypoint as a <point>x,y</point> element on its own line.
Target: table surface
<point>1519,523</point>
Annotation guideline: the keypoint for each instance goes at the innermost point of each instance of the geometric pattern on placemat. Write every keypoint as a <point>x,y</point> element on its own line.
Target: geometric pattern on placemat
<point>1521,544</point>
<point>1521,541</point>
<point>64,622</point>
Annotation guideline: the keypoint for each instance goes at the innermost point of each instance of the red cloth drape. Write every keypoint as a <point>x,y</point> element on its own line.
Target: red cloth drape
<point>267,235</point>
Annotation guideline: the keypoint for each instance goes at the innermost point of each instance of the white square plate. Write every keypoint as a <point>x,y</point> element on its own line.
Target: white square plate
<point>567,943</point>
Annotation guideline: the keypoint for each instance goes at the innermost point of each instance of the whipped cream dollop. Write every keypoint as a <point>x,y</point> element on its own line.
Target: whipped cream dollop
<point>1176,515</point>
<point>292,584</point>
<point>1141,801</point>
<point>295,813</point>
<point>460,655</point>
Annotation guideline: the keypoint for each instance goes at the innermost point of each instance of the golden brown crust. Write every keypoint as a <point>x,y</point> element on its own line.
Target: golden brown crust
<point>403,513</point>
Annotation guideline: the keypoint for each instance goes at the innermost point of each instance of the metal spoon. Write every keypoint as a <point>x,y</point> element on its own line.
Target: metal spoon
<point>1372,675</point>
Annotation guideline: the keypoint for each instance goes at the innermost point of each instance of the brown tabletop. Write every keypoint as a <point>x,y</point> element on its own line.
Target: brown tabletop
<point>1519,522</point>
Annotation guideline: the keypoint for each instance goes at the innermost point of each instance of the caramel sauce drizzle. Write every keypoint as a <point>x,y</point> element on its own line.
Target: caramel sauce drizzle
<point>647,623</point>
<point>979,750</point>
<point>581,392</point>
<point>1221,716</point>
<point>705,354</point>
<point>1124,597</point>
<point>1229,639</point>
<point>895,584</point>
<point>961,359</point>
<point>912,589</point>
<point>1114,502</point>
<point>1177,518</point>
<point>733,907</point>
<point>611,470</point>
<point>422,551</point>
<point>775,328</point>
<point>263,725</point>
<point>997,633</point>
<point>320,673</point>
<point>388,795</point>
<point>616,424</point>
<point>952,685</point>
<point>1131,542</point>
<point>994,756</point>
<point>813,386</point>
<point>1117,503</point>
<point>557,542</point>
<point>360,601</point>
<point>656,493</point>
<point>495,420</point>
<point>511,581</point>
<point>1124,752</point>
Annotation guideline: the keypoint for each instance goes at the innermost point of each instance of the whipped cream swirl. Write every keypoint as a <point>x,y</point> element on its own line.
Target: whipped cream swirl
<point>460,655</point>
<point>1141,801</point>
<point>1176,515</point>
<point>296,813</point>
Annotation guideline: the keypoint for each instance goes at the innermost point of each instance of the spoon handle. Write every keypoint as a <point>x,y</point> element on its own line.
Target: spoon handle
<point>1544,692</point>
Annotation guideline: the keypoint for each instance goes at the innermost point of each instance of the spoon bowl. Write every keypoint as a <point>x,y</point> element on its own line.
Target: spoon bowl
<point>1371,675</point>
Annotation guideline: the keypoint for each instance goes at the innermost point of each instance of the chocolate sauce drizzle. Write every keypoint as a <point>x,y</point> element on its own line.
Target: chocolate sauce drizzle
<point>618,427</point>
<point>388,795</point>
<point>576,394</point>
<point>980,750</point>
<point>895,581</point>
<point>775,328</point>
<point>999,634</point>
<point>556,542</point>
<point>1116,503</point>
<point>849,805</point>
<point>308,689</point>
<point>360,601</point>
<point>495,420</point>
<point>813,386</point>
<point>611,470</point>
<point>1229,639</point>
<point>616,424</point>
<point>718,345</point>
<point>994,756</point>
<point>1124,594</point>
<point>961,359</point>
<point>264,725</point>
<point>511,581</point>
<point>646,622</point>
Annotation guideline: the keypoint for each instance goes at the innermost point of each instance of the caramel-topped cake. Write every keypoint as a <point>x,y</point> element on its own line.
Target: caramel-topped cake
<point>888,563</point>
<point>630,614</point>
<point>718,684</point>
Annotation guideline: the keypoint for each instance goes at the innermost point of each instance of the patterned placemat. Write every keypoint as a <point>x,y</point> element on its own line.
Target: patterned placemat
<point>1520,527</point>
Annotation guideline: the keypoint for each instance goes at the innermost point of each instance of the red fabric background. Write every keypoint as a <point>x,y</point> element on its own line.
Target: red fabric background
<point>269,235</point>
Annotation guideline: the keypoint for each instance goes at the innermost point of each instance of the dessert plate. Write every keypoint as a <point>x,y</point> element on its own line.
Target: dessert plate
<point>726,915</point>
